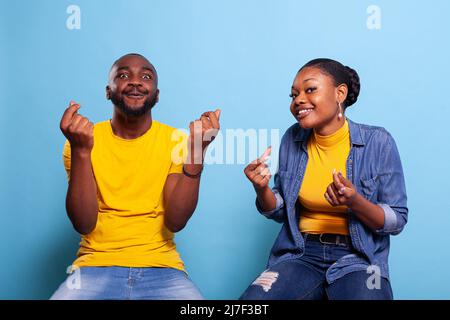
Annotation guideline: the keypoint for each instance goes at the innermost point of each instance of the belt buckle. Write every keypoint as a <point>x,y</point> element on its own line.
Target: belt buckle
<point>336,243</point>
<point>322,241</point>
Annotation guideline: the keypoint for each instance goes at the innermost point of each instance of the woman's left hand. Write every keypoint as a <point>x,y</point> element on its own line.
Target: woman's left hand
<point>341,191</point>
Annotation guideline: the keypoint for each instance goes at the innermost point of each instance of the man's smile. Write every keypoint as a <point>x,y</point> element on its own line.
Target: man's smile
<point>135,94</point>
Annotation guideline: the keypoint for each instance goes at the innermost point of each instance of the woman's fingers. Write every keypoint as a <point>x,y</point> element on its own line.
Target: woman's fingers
<point>261,179</point>
<point>344,180</point>
<point>331,194</point>
<point>262,169</point>
<point>327,197</point>
<point>261,160</point>
<point>337,181</point>
<point>266,154</point>
<point>258,173</point>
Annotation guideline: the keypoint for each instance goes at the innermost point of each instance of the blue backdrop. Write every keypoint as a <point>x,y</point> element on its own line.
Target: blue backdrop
<point>240,56</point>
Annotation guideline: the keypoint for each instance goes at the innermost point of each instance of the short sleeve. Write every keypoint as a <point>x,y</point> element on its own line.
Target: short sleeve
<point>66,158</point>
<point>178,151</point>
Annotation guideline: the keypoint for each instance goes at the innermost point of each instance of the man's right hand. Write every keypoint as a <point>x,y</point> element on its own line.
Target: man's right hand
<point>258,172</point>
<point>77,129</point>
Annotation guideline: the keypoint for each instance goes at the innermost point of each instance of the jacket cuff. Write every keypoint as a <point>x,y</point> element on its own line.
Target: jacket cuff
<point>279,205</point>
<point>390,220</point>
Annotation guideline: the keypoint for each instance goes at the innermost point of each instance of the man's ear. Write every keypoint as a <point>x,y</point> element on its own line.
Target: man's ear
<point>108,93</point>
<point>157,95</point>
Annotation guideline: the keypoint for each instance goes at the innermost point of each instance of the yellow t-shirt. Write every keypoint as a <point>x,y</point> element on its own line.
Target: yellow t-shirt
<point>130,175</point>
<point>325,153</point>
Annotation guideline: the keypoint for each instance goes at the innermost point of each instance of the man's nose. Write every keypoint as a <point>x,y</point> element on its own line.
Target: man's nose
<point>135,80</point>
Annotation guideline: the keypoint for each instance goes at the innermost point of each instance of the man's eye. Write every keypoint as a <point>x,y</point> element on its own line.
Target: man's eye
<point>309,90</point>
<point>123,76</point>
<point>146,77</point>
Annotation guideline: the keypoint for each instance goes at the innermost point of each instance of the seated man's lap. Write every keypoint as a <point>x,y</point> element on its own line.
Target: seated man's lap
<point>122,283</point>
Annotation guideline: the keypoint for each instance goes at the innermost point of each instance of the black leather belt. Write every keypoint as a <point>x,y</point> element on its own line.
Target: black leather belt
<point>329,238</point>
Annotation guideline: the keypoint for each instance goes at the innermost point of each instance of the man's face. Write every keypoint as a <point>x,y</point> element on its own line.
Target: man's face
<point>133,85</point>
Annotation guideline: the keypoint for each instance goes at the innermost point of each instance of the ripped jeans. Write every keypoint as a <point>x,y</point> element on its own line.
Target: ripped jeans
<point>304,278</point>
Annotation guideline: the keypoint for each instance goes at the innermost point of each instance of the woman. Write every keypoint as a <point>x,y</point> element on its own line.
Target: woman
<point>339,193</point>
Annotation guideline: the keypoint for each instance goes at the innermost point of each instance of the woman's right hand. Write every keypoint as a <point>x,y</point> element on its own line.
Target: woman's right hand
<point>258,171</point>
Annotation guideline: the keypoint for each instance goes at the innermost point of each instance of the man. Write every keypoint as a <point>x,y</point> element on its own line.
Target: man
<point>129,191</point>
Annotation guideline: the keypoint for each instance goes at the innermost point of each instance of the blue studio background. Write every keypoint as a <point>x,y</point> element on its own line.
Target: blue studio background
<point>240,56</point>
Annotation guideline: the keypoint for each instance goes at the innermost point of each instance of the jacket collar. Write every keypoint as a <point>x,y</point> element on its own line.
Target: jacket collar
<point>355,134</point>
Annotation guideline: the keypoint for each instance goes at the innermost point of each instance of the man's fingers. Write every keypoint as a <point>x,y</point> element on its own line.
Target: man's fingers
<point>214,120</point>
<point>72,109</point>
<point>68,114</point>
<point>213,116</point>
<point>77,122</point>
<point>217,113</point>
<point>206,122</point>
<point>84,123</point>
<point>192,127</point>
<point>197,127</point>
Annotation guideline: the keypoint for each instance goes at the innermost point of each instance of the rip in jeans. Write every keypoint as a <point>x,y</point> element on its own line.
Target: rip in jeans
<point>266,280</point>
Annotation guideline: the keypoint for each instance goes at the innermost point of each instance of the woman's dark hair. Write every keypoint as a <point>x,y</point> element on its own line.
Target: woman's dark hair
<point>341,74</point>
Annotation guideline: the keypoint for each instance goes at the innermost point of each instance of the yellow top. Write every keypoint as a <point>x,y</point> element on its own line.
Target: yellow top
<point>325,154</point>
<point>130,175</point>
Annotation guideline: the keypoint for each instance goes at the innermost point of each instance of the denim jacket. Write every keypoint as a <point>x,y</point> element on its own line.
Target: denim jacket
<point>374,167</point>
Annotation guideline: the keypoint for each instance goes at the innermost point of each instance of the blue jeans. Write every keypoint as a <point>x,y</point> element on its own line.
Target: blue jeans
<point>304,278</point>
<point>123,283</point>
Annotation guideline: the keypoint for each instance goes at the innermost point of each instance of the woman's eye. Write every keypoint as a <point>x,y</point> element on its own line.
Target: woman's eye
<point>293,96</point>
<point>309,90</point>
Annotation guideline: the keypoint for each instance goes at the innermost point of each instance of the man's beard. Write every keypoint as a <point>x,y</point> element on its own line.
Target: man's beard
<point>135,112</point>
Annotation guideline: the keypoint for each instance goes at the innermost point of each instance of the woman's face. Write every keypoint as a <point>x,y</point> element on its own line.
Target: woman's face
<point>315,101</point>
